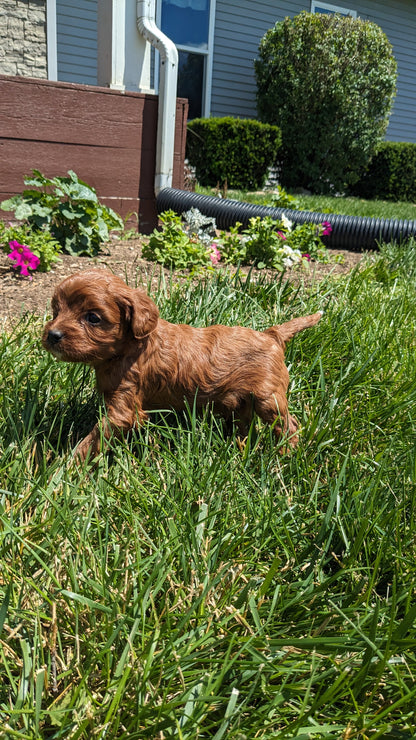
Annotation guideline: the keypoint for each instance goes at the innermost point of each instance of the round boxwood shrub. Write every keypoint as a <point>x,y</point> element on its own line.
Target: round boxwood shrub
<point>328,82</point>
<point>235,151</point>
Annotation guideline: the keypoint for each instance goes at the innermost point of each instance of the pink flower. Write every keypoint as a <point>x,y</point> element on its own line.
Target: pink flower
<point>281,234</point>
<point>23,258</point>
<point>307,257</point>
<point>327,228</point>
<point>215,254</point>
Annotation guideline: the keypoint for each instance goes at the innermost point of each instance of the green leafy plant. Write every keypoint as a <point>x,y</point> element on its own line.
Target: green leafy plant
<point>232,248</point>
<point>279,244</point>
<point>281,199</point>
<point>263,242</point>
<point>276,244</point>
<point>266,242</point>
<point>328,82</point>
<point>173,247</point>
<point>68,208</point>
<point>306,238</point>
<point>40,242</point>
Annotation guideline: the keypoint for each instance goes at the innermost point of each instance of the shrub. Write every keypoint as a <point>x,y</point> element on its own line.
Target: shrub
<point>328,82</point>
<point>66,207</point>
<point>391,174</point>
<point>238,152</point>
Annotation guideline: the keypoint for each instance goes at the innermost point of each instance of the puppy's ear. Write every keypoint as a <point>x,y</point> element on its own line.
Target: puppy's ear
<point>141,314</point>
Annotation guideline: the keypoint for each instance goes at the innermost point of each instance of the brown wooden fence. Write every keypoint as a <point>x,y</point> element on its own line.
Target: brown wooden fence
<point>106,136</point>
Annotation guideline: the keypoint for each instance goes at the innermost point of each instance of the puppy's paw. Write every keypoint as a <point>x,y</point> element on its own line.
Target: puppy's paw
<point>88,449</point>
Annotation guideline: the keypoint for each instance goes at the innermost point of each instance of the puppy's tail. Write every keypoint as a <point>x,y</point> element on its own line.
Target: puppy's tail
<point>285,332</point>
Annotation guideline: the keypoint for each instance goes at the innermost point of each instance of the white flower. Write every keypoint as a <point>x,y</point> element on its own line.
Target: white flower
<point>286,223</point>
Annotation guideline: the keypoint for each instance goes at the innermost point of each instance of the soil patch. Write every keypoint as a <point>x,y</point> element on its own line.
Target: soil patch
<point>19,295</point>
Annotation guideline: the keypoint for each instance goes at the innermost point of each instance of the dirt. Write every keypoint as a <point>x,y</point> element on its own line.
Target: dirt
<point>19,295</point>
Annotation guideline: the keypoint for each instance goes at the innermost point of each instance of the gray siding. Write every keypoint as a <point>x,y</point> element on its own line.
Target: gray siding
<point>76,22</point>
<point>240,24</point>
<point>398,21</point>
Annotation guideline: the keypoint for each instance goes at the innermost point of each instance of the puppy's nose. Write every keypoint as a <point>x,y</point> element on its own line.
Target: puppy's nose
<point>54,336</point>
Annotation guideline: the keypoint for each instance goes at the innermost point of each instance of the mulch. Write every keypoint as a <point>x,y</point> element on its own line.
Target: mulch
<point>19,295</point>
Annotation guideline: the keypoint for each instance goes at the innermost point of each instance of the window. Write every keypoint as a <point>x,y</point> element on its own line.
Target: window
<point>318,7</point>
<point>191,74</point>
<point>189,23</point>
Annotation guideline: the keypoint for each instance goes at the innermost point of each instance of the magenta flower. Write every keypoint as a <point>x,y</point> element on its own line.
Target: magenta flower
<point>281,234</point>
<point>23,258</point>
<point>307,256</point>
<point>215,254</point>
<point>327,228</point>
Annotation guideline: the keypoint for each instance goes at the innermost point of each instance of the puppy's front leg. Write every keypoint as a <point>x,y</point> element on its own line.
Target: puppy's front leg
<point>122,411</point>
<point>90,445</point>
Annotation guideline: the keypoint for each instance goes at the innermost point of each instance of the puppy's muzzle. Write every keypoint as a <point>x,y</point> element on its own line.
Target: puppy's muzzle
<point>54,337</point>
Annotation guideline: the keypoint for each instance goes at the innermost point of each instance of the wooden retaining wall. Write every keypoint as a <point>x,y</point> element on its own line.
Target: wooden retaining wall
<point>106,136</point>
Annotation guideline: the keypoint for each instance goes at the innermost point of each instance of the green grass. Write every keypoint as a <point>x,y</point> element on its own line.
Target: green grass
<point>347,206</point>
<point>191,587</point>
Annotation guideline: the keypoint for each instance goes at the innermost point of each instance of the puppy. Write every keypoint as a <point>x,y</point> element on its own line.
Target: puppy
<point>143,362</point>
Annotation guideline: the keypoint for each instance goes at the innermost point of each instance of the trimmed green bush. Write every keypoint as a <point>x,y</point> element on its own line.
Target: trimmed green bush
<point>391,174</point>
<point>235,151</point>
<point>328,82</point>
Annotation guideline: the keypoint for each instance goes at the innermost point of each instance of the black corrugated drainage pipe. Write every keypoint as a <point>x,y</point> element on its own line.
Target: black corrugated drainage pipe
<point>348,232</point>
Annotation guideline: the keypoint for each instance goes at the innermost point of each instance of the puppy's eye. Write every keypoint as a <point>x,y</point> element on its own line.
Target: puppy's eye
<point>92,318</point>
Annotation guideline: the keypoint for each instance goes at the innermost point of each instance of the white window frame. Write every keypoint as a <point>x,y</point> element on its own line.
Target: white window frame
<point>207,53</point>
<point>332,8</point>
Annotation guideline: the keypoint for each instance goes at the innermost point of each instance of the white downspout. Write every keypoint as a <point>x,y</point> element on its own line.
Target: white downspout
<point>167,92</point>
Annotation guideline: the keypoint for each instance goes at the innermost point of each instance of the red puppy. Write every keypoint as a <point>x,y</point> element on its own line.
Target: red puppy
<point>143,362</point>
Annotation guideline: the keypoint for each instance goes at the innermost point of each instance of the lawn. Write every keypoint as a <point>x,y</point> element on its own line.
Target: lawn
<point>196,586</point>
<point>348,206</point>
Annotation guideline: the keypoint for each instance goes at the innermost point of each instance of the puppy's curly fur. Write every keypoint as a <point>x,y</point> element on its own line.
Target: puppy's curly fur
<point>143,362</point>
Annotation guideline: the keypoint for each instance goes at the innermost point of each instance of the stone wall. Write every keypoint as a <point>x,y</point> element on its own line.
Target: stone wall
<point>23,38</point>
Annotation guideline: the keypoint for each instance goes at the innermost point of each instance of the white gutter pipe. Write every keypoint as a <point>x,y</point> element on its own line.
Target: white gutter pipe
<point>167,92</point>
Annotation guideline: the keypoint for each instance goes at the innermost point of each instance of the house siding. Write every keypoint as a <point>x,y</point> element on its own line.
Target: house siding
<point>76,22</point>
<point>236,47</point>
<point>239,26</point>
<point>398,21</point>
